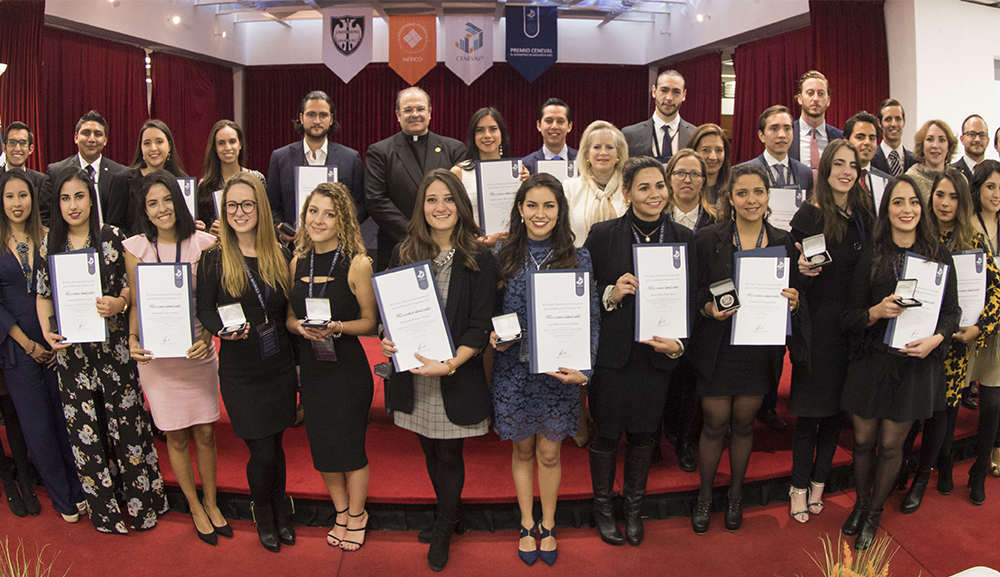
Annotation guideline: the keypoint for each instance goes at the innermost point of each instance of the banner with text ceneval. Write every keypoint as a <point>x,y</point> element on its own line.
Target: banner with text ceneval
<point>532,39</point>
<point>469,47</point>
<point>347,40</point>
<point>412,46</point>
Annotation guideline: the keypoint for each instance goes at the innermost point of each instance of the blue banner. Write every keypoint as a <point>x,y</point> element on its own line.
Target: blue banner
<point>532,39</point>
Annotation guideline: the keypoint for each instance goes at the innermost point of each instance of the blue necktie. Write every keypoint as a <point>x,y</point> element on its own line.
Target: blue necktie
<point>557,157</point>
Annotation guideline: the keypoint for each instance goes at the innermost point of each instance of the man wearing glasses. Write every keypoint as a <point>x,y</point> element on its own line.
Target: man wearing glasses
<point>395,166</point>
<point>18,145</point>
<point>317,120</point>
<point>975,139</point>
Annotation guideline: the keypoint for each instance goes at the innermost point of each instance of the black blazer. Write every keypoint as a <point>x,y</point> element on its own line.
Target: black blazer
<point>640,136</point>
<point>281,178</point>
<point>610,245</point>
<point>714,246</point>
<point>469,312</point>
<point>109,171</point>
<point>803,174</point>
<point>880,162</point>
<point>832,133</point>
<point>392,176</point>
<point>531,161</point>
<point>960,166</point>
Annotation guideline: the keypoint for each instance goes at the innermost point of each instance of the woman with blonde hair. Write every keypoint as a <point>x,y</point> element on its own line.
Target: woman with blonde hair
<point>935,145</point>
<point>595,194</point>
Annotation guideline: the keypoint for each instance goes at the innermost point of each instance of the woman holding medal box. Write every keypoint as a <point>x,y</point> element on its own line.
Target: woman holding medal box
<point>256,369</point>
<point>332,302</point>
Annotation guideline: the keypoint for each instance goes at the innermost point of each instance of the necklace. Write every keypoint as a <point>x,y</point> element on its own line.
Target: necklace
<point>69,243</point>
<point>22,255</point>
<point>645,234</point>
<point>538,265</point>
<point>440,262</point>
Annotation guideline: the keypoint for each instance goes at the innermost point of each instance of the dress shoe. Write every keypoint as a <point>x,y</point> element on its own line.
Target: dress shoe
<point>31,503</point>
<point>916,493</point>
<point>266,531</point>
<point>75,517</point>
<point>771,418</point>
<point>528,557</point>
<point>734,515</point>
<point>602,477</point>
<point>211,538</point>
<point>701,517</point>
<point>977,486</point>
<point>547,557</point>
<point>223,531</point>
<point>14,500</point>
<point>685,457</point>
<point>854,522</point>
<point>282,522</point>
<point>969,402</point>
<point>866,537</point>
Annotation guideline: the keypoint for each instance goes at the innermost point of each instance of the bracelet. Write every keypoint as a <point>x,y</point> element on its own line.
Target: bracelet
<point>451,369</point>
<point>34,345</point>
<point>130,335</point>
<point>339,333</point>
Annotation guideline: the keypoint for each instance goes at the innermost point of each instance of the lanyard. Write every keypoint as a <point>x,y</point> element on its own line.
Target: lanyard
<point>156,249</point>
<point>736,237</point>
<point>663,233</point>
<point>256,289</point>
<point>312,258</point>
<point>991,244</point>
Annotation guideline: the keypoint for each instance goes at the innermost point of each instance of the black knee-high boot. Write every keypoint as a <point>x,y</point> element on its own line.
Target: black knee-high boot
<point>637,461</point>
<point>602,476</point>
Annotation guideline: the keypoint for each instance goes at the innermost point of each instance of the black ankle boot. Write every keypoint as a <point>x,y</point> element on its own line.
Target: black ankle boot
<point>857,518</point>
<point>263,515</point>
<point>283,510</point>
<point>867,535</point>
<point>425,535</point>
<point>636,473</point>
<point>602,477</point>
<point>734,515</point>
<point>945,483</point>
<point>977,485</point>
<point>904,475</point>
<point>437,555</point>
<point>14,500</point>
<point>31,503</point>
<point>916,493</point>
<point>685,456</point>
<point>702,516</point>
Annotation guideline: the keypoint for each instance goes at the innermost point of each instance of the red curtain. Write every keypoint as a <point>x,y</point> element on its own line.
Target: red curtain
<point>91,74</point>
<point>703,82</point>
<point>767,73</point>
<point>849,47</point>
<point>618,94</point>
<point>20,43</point>
<point>190,96</point>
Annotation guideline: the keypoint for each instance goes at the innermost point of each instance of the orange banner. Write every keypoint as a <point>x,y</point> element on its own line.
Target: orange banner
<point>412,46</point>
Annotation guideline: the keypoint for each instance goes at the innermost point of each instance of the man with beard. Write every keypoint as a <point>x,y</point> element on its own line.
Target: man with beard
<point>316,121</point>
<point>811,132</point>
<point>666,132</point>
<point>975,138</point>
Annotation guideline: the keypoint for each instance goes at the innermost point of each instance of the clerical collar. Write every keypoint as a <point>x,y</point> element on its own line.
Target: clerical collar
<point>418,137</point>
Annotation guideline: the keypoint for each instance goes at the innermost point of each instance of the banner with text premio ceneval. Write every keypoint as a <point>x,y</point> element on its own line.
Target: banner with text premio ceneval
<point>469,47</point>
<point>532,39</point>
<point>347,40</point>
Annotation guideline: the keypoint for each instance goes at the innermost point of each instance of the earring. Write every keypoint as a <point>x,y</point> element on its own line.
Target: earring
<point>501,151</point>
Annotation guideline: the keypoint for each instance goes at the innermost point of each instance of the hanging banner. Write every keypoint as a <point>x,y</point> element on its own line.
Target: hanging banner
<point>469,49</point>
<point>532,39</point>
<point>412,46</point>
<point>347,40</point>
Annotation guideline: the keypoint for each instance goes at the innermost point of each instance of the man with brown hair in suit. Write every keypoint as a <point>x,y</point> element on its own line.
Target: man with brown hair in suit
<point>648,138</point>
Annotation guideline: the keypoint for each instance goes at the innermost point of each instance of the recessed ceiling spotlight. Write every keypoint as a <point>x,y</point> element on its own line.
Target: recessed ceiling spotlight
<point>176,19</point>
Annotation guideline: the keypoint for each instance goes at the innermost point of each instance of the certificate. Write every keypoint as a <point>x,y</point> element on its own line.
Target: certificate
<point>561,169</point>
<point>559,320</point>
<point>498,181</point>
<point>878,189</point>
<point>970,272</point>
<point>217,195</point>
<point>76,286</point>
<point>306,179</point>
<point>189,189</point>
<point>763,317</point>
<point>412,314</point>
<point>784,203</point>
<point>919,322</point>
<point>166,310</point>
<point>661,303</point>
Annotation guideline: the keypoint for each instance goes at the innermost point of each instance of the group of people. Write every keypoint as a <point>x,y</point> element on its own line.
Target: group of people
<point>85,409</point>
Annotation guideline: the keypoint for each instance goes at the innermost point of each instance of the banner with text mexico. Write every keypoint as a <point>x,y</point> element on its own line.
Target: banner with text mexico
<point>347,41</point>
<point>412,46</point>
<point>532,39</point>
<point>469,46</point>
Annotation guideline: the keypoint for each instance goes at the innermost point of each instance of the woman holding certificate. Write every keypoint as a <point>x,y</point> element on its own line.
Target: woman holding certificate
<point>331,303</point>
<point>538,410</point>
<point>487,140</point>
<point>183,392</point>
<point>631,377</point>
<point>733,378</point>
<point>225,157</point>
<point>840,211</point>
<point>888,388</point>
<point>98,381</point>
<point>711,144</point>
<point>27,362</point>
<point>446,401</point>
<point>245,280</point>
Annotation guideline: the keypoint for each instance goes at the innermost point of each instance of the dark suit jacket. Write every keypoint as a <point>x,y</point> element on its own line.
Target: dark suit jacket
<point>610,245</point>
<point>832,133</point>
<point>392,176</point>
<point>469,312</point>
<point>882,163</point>
<point>803,174</point>
<point>281,178</point>
<point>109,171</point>
<point>37,178</point>
<point>531,161</point>
<point>640,136</point>
<point>963,168</point>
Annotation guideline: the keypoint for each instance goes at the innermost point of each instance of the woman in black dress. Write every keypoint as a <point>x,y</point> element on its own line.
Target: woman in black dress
<point>886,390</point>
<point>841,211</point>
<point>630,378</point>
<point>155,150</point>
<point>331,264</point>
<point>732,379</point>
<point>225,157</point>
<point>256,368</point>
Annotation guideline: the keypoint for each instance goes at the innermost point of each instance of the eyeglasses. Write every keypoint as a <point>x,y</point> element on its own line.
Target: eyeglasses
<point>684,175</point>
<point>971,134</point>
<point>248,207</point>
<point>12,143</point>
<point>314,115</point>
<point>418,110</point>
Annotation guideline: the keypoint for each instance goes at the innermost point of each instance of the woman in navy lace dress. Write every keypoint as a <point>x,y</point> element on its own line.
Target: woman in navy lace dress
<point>537,411</point>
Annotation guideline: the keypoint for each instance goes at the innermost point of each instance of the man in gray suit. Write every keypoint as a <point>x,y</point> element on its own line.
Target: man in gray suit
<point>666,132</point>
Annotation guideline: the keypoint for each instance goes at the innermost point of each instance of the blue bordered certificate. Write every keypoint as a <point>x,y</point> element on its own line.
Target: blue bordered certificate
<point>498,181</point>
<point>306,179</point>
<point>165,307</point>
<point>559,320</point>
<point>919,322</point>
<point>76,286</point>
<point>561,169</point>
<point>412,315</point>
<point>784,203</point>
<point>970,272</point>
<point>763,318</point>
<point>662,301</point>
<point>189,190</point>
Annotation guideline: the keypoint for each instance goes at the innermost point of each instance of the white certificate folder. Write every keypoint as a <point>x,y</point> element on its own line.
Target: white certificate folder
<point>165,307</point>
<point>412,315</point>
<point>662,301</point>
<point>919,322</point>
<point>970,272</point>
<point>306,179</point>
<point>559,320</point>
<point>498,181</point>
<point>764,317</point>
<point>76,286</point>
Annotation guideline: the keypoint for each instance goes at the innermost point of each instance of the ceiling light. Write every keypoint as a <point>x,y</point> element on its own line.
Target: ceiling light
<point>176,19</point>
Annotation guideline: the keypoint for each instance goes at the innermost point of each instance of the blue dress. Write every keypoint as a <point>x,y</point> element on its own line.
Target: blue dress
<point>526,404</point>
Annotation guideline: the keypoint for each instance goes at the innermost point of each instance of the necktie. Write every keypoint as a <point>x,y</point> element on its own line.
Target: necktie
<point>894,167</point>
<point>780,182</point>
<point>864,179</point>
<point>91,173</point>
<point>814,154</point>
<point>557,157</point>
<point>667,150</point>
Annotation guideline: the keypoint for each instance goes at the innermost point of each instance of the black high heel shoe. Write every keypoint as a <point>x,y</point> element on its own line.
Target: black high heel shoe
<point>263,516</point>
<point>867,535</point>
<point>286,533</point>
<point>367,524</point>
<point>529,557</point>
<point>331,540</point>
<point>211,537</point>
